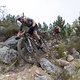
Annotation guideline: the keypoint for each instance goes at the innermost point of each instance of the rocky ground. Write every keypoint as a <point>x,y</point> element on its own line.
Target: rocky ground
<point>48,68</point>
<point>26,73</point>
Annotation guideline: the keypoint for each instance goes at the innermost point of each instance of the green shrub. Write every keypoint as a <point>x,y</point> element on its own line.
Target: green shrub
<point>75,44</point>
<point>10,32</point>
<point>62,47</point>
<point>60,50</point>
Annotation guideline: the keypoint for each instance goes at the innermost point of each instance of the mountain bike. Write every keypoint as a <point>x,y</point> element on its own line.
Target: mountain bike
<point>29,48</point>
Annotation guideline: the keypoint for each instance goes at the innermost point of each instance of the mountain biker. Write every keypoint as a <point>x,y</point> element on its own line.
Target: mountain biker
<point>57,31</point>
<point>31,24</point>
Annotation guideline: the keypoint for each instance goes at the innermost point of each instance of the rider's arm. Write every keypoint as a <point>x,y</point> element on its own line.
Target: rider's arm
<point>34,23</point>
<point>21,28</point>
<point>21,32</point>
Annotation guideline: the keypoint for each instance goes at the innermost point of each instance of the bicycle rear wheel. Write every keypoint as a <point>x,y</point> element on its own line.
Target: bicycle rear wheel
<point>44,45</point>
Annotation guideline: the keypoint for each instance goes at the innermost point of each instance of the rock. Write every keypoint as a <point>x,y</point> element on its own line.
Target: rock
<point>48,66</point>
<point>11,42</point>
<point>70,58</point>
<point>75,53</point>
<point>41,77</point>
<point>73,69</point>
<point>65,53</point>
<point>7,54</point>
<point>1,44</point>
<point>62,62</point>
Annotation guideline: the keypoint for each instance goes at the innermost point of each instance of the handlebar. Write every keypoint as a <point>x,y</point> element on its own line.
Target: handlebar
<point>26,34</point>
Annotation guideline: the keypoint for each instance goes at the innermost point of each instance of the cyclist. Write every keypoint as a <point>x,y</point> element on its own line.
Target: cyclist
<point>31,24</point>
<point>57,31</point>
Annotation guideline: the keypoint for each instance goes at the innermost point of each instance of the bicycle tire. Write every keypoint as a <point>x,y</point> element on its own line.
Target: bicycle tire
<point>23,52</point>
<point>45,47</point>
<point>36,52</point>
<point>34,46</point>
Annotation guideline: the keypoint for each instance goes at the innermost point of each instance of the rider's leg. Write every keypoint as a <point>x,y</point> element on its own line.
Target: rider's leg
<point>33,31</point>
<point>37,37</point>
<point>56,37</point>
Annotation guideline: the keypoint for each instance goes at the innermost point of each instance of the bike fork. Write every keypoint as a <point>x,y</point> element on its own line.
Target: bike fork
<point>30,43</point>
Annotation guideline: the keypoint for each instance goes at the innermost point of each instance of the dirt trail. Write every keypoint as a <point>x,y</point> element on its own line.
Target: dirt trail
<point>24,73</point>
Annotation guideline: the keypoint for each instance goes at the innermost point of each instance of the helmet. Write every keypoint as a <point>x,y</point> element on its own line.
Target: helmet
<point>18,20</point>
<point>19,17</point>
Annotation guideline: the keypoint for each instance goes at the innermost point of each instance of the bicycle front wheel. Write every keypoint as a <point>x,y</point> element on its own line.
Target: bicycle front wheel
<point>23,52</point>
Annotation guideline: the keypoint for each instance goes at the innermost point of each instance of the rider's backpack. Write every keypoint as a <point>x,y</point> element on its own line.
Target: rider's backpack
<point>57,29</point>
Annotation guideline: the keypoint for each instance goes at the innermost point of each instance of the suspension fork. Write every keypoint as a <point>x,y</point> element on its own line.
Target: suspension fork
<point>27,40</point>
<point>29,43</point>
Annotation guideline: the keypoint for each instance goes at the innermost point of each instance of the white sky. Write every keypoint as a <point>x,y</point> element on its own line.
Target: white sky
<point>44,10</point>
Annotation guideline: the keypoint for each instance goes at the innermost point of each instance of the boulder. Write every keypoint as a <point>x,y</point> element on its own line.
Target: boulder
<point>7,55</point>
<point>1,44</point>
<point>69,58</point>
<point>11,42</point>
<point>73,69</point>
<point>41,77</point>
<point>62,63</point>
<point>48,66</point>
<point>74,53</point>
